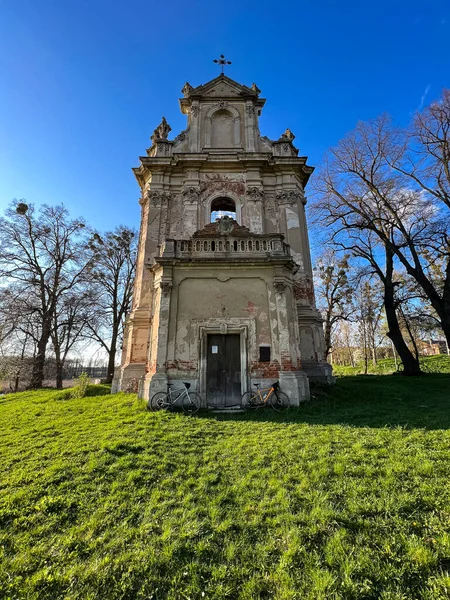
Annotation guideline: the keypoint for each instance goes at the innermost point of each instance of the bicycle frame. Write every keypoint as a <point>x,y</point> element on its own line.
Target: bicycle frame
<point>175,395</point>
<point>264,399</point>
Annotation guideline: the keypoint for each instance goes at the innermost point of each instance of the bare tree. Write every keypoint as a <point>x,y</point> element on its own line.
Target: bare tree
<point>112,274</point>
<point>360,186</point>
<point>370,309</point>
<point>360,191</point>
<point>41,255</point>
<point>423,157</point>
<point>333,291</point>
<point>73,314</point>
<point>18,330</point>
<point>346,334</point>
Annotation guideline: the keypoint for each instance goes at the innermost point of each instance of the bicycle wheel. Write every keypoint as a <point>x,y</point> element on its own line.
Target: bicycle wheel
<point>250,401</point>
<point>192,403</point>
<point>279,401</point>
<point>160,401</point>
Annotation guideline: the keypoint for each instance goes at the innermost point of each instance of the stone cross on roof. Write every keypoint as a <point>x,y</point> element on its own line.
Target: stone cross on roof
<point>222,61</point>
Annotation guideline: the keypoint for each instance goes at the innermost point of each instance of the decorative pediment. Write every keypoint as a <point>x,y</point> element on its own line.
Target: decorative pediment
<point>222,87</point>
<point>224,226</point>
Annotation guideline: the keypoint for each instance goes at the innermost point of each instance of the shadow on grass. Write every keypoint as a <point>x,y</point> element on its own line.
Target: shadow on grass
<point>366,401</point>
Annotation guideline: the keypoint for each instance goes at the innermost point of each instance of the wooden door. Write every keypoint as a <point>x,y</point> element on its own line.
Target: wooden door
<point>223,370</point>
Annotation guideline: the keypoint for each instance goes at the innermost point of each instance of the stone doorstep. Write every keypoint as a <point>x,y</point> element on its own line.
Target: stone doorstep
<point>226,409</point>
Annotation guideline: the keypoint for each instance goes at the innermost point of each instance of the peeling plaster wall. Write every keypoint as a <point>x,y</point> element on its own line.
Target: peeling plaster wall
<point>216,295</point>
<point>221,153</point>
<point>223,299</point>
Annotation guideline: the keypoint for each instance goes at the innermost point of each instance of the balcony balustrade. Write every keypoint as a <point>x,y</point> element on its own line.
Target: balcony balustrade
<point>226,246</point>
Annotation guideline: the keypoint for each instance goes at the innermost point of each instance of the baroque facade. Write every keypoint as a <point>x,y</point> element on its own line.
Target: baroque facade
<point>224,294</point>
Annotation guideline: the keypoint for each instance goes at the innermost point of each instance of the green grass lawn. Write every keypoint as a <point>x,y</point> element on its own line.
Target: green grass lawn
<point>348,497</point>
<point>439,363</point>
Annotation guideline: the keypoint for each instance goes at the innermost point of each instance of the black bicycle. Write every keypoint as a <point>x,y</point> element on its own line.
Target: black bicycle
<point>273,397</point>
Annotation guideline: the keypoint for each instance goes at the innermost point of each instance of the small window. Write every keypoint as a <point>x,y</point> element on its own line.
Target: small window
<point>264,354</point>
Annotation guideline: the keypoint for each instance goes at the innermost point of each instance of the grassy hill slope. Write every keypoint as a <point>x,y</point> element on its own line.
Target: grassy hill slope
<point>348,497</point>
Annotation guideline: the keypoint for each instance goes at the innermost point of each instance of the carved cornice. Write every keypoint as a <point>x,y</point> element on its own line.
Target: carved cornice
<point>288,196</point>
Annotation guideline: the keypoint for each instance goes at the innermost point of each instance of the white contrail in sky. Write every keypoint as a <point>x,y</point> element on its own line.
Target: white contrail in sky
<point>424,95</point>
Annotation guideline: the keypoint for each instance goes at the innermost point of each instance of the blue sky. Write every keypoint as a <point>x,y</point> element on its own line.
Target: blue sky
<point>83,84</point>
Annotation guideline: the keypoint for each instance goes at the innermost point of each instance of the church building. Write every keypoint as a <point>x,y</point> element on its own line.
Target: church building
<point>223,295</point>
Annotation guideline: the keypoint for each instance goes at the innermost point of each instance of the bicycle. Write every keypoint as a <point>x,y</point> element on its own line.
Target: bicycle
<point>190,401</point>
<point>274,398</point>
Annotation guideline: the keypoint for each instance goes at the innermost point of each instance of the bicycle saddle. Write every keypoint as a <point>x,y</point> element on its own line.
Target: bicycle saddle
<point>188,385</point>
<point>256,384</point>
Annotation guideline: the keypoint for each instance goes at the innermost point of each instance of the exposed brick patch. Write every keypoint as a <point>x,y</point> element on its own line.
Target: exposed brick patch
<point>287,364</point>
<point>304,291</point>
<point>181,365</point>
<point>266,370</point>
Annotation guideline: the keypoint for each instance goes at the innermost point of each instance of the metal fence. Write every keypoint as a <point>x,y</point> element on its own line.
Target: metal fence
<point>95,372</point>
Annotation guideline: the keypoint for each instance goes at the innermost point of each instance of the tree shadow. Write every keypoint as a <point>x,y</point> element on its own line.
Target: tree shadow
<point>374,401</point>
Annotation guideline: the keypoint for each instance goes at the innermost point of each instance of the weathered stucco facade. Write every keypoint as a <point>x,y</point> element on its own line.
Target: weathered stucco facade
<point>227,303</point>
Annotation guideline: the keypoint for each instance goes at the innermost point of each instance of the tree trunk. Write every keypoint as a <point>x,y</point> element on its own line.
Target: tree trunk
<point>112,358</point>
<point>59,362</point>
<point>22,356</point>
<point>410,363</point>
<point>37,375</point>
<point>59,374</point>
<point>366,361</point>
<point>394,353</point>
<point>327,336</point>
<point>440,304</point>
<point>352,360</point>
<point>445,324</point>
<point>410,333</point>
<point>374,355</point>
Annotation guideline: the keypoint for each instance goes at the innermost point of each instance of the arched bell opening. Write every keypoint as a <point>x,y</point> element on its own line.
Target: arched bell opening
<point>221,207</point>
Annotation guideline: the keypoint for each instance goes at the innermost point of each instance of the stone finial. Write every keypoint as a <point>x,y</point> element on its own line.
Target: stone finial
<point>256,89</point>
<point>187,90</point>
<point>162,131</point>
<point>287,136</point>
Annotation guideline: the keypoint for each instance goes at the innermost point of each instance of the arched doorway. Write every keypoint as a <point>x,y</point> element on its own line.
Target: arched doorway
<point>221,207</point>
